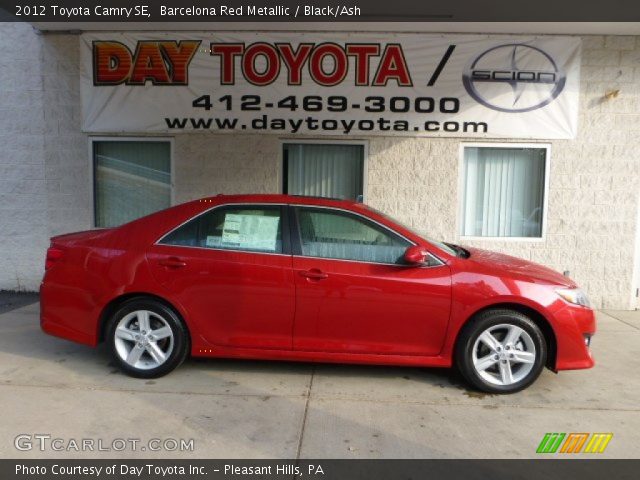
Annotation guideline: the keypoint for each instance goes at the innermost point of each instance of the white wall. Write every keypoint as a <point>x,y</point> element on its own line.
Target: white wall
<point>593,192</point>
<point>67,167</point>
<point>23,199</point>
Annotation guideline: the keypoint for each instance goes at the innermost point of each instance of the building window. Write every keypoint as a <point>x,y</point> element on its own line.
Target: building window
<point>503,191</point>
<point>324,170</point>
<point>131,179</point>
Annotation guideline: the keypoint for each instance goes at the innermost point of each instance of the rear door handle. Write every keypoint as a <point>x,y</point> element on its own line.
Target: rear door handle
<point>314,274</point>
<point>172,262</point>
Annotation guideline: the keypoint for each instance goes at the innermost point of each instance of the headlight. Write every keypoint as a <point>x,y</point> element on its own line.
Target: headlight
<point>574,295</point>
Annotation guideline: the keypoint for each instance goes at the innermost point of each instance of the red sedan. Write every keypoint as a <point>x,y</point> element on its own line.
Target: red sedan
<point>295,278</point>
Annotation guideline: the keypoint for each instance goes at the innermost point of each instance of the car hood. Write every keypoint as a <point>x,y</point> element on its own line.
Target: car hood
<point>506,263</point>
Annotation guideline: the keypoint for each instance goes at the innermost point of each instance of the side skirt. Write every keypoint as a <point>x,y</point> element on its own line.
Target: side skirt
<point>321,357</point>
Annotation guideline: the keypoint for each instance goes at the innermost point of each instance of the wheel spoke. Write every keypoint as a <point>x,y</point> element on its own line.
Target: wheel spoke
<point>489,340</point>
<point>512,335</point>
<point>483,363</point>
<point>505,373</point>
<point>523,357</point>
<point>126,334</point>
<point>156,353</point>
<point>143,321</point>
<point>161,333</point>
<point>134,354</point>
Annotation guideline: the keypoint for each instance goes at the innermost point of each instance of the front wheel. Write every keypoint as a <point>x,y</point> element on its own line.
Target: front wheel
<point>501,351</point>
<point>146,338</point>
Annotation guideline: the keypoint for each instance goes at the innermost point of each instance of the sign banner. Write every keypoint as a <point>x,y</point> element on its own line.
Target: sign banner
<point>339,84</point>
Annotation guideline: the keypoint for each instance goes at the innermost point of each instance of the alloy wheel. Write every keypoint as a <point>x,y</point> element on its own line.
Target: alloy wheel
<point>143,339</point>
<point>504,354</point>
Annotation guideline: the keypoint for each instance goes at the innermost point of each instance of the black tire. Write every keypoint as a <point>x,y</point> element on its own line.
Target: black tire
<point>180,337</point>
<point>479,324</point>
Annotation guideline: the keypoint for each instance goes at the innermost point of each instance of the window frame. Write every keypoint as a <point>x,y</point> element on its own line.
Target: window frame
<point>296,236</point>
<point>118,138</point>
<point>285,223</point>
<point>365,161</point>
<point>461,196</point>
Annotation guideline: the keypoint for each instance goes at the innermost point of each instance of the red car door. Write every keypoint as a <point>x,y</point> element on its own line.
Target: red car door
<point>354,296</point>
<point>231,271</point>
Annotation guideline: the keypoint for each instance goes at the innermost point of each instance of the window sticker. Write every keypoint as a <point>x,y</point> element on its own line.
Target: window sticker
<point>213,241</point>
<point>253,232</point>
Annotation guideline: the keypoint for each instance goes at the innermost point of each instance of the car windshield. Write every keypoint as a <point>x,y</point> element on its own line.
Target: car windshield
<point>448,248</point>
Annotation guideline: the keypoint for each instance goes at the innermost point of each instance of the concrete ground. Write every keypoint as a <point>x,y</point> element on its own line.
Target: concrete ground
<point>246,409</point>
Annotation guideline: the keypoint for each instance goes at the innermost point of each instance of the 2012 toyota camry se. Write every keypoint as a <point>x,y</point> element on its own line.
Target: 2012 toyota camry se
<point>279,277</point>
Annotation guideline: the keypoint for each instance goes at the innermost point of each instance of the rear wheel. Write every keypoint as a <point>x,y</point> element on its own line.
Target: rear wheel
<point>146,338</point>
<point>501,351</point>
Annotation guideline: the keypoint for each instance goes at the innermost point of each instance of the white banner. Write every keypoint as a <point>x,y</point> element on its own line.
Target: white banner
<point>331,84</point>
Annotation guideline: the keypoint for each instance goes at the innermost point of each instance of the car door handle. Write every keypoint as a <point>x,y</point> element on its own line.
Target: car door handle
<point>172,262</point>
<point>314,274</point>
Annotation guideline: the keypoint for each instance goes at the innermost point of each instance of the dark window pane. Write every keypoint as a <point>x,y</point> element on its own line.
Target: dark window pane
<point>186,235</point>
<point>131,179</point>
<point>338,235</point>
<point>256,229</point>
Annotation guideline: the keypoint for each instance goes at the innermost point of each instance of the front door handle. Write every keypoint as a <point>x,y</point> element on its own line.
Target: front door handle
<point>314,274</point>
<point>172,262</point>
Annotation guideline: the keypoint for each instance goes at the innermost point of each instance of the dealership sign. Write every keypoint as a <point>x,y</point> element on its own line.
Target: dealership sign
<point>331,84</point>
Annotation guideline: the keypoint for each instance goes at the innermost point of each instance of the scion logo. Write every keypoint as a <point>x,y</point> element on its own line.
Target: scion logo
<point>514,78</point>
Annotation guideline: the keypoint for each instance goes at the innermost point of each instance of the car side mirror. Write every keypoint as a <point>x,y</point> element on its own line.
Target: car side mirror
<point>415,255</point>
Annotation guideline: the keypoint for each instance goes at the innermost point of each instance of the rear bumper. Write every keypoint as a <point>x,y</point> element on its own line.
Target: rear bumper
<point>58,330</point>
<point>572,324</point>
<point>66,313</point>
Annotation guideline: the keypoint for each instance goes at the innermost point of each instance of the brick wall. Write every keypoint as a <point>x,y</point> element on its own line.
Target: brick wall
<point>45,183</point>
<point>44,169</point>
<point>23,199</point>
<point>209,164</point>
<point>67,164</point>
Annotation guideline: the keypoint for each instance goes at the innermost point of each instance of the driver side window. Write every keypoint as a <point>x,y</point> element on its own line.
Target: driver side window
<point>326,233</point>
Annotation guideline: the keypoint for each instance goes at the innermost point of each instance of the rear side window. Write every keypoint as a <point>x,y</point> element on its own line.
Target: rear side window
<point>326,233</point>
<point>254,229</point>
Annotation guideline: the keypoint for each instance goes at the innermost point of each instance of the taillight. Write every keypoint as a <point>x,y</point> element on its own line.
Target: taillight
<point>53,255</point>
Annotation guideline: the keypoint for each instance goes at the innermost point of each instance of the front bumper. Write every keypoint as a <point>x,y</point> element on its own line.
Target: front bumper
<point>572,325</point>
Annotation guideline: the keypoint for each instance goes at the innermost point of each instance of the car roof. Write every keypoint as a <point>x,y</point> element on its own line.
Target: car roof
<point>284,199</point>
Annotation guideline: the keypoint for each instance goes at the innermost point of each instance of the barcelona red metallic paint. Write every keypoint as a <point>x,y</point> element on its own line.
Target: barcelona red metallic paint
<point>253,305</point>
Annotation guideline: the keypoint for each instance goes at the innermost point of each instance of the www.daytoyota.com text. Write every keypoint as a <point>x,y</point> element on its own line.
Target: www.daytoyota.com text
<point>330,105</point>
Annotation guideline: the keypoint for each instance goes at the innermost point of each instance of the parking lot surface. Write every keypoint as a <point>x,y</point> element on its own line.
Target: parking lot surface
<point>247,409</point>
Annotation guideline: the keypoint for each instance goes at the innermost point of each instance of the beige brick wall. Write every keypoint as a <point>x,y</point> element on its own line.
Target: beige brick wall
<point>594,180</point>
<point>211,164</point>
